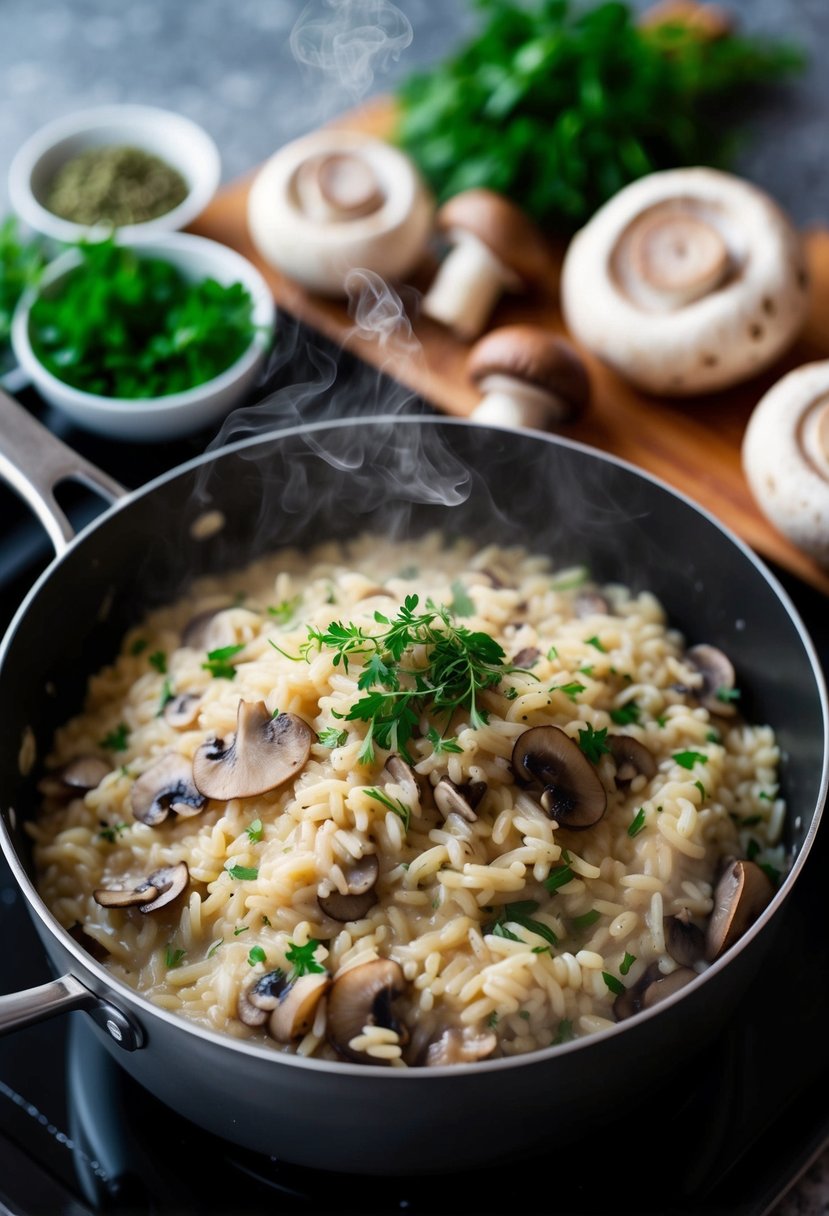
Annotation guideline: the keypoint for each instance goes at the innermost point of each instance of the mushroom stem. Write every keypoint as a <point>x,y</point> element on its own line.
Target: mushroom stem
<point>467,285</point>
<point>510,402</point>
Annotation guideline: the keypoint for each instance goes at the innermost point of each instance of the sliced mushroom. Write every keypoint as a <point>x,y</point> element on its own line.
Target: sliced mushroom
<point>122,897</point>
<point>547,758</point>
<point>651,988</point>
<point>457,1046</point>
<point>197,632</point>
<point>718,678</point>
<point>684,941</point>
<point>260,996</point>
<point>361,896</point>
<point>666,985</point>
<point>591,603</point>
<point>632,759</point>
<point>741,894</point>
<point>165,788</point>
<point>170,882</point>
<point>294,1014</point>
<point>526,657</point>
<point>449,798</point>
<point>364,996</point>
<point>78,776</point>
<point>403,774</point>
<point>182,711</point>
<point>263,754</point>
<point>473,792</point>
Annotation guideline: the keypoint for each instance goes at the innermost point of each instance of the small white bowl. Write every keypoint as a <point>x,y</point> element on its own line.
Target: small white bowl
<point>183,144</point>
<point>178,414</point>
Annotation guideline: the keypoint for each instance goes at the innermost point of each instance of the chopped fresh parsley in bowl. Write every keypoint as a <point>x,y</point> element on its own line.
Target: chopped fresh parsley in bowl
<point>145,340</point>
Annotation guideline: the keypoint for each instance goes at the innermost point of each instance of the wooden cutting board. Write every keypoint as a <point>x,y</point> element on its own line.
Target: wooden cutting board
<point>692,444</point>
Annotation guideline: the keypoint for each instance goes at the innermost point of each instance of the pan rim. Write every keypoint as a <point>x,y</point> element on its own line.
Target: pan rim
<point>111,985</point>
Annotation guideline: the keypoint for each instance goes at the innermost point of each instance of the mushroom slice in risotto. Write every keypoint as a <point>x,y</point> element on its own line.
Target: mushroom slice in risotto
<point>264,753</point>
<point>741,894</point>
<point>287,1005</point>
<point>456,1046</point>
<point>450,798</point>
<point>572,794</point>
<point>718,678</point>
<point>361,997</point>
<point>166,787</point>
<point>75,778</point>
<point>361,895</point>
<point>153,892</point>
<point>632,759</point>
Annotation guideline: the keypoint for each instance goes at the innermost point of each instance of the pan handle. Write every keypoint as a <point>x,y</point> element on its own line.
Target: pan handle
<point>20,1009</point>
<point>33,461</point>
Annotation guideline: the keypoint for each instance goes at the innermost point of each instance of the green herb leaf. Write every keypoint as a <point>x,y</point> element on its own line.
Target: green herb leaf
<point>215,947</point>
<point>570,690</point>
<point>256,955</point>
<point>217,662</point>
<point>392,804</point>
<point>552,654</point>
<point>559,877</point>
<point>254,831</point>
<point>492,1020</point>
<point>166,697</point>
<point>117,740</point>
<point>689,759</point>
<point>626,963</point>
<point>302,958</point>
<point>285,611</point>
<point>586,919</point>
<point>638,823</point>
<point>172,958</point>
<point>593,743</point>
<point>243,873</point>
<point>329,736</point>
<point>728,695</point>
<point>565,1032</point>
<point>139,646</point>
<point>442,746</point>
<point>615,986</point>
<point>623,715</point>
<point>112,831</point>
<point>461,603</point>
<point>158,660</point>
<point>594,641</point>
<point>240,929</point>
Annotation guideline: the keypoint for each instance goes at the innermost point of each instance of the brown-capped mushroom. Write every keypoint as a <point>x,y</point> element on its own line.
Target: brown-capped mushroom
<point>741,894</point>
<point>263,754</point>
<point>686,281</point>
<point>528,377</point>
<point>457,1046</point>
<point>403,775</point>
<point>495,247</point>
<point>652,987</point>
<point>260,996</point>
<point>124,897</point>
<point>591,603</point>
<point>785,457</point>
<point>632,759</point>
<point>74,778</point>
<point>450,799</point>
<point>199,633</point>
<point>153,892</point>
<point>718,678</point>
<point>572,794</point>
<point>165,788</point>
<point>684,941</point>
<point>182,712</point>
<point>526,657</point>
<point>294,1014</point>
<point>361,896</point>
<point>364,996</point>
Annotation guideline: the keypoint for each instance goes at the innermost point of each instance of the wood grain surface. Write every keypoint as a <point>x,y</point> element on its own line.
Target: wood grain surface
<point>692,444</point>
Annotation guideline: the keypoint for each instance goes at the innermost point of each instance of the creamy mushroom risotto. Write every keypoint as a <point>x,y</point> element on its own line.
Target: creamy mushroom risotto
<point>409,805</point>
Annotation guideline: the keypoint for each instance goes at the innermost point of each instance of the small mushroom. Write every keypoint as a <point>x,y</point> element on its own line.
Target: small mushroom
<point>403,775</point>
<point>182,711</point>
<point>122,897</point>
<point>686,281</point>
<point>785,457</point>
<point>591,603</point>
<point>199,632</point>
<point>632,759</point>
<point>263,754</point>
<point>361,897</point>
<point>460,1047</point>
<point>260,996</point>
<point>527,377</point>
<point>165,788</point>
<point>158,889</point>
<point>526,657</point>
<point>741,894</point>
<point>294,1014</point>
<point>495,247</point>
<point>364,996</point>
<point>684,941</point>
<point>547,758</point>
<point>334,201</point>
<point>449,798</point>
<point>652,987</point>
<point>718,678</point>
<point>76,777</point>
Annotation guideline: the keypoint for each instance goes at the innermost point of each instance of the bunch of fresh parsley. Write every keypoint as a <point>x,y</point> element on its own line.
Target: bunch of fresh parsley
<point>21,262</point>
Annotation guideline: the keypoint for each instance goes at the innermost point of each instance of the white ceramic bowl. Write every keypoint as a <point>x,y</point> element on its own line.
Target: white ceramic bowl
<point>181,143</point>
<point>146,420</point>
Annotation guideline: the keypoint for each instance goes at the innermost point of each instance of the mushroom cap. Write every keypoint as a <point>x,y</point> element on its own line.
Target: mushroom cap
<point>297,1006</point>
<point>741,894</point>
<point>684,941</point>
<point>76,777</point>
<point>450,798</point>
<point>183,710</point>
<point>456,1046</point>
<point>548,758</point>
<point>717,673</point>
<point>361,896</point>
<point>719,321</point>
<point>785,457</point>
<point>166,787</point>
<point>263,754</point>
<point>501,225</point>
<point>389,240</point>
<point>169,882</point>
<point>260,996</point>
<point>535,356</point>
<point>632,759</point>
<point>363,996</point>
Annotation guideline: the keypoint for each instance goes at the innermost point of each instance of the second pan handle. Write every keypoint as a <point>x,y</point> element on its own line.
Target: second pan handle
<point>33,462</point>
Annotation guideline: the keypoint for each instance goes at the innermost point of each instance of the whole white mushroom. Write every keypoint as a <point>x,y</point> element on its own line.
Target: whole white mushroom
<point>335,201</point>
<point>686,281</point>
<point>785,457</point>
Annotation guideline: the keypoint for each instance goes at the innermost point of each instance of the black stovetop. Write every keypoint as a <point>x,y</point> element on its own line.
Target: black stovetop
<point>727,1134</point>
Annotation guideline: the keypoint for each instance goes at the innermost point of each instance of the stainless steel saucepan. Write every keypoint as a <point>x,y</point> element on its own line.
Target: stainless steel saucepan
<point>397,477</point>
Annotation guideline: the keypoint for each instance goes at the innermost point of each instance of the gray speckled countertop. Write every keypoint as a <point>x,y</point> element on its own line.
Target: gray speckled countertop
<point>228,64</point>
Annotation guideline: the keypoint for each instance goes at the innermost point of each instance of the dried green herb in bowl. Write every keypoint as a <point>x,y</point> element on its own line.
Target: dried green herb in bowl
<point>115,185</point>
<point>125,325</point>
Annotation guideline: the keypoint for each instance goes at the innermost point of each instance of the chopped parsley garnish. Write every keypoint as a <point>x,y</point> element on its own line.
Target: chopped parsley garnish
<point>638,822</point>
<point>256,955</point>
<point>525,1014</point>
<point>461,603</point>
<point>626,963</point>
<point>139,646</point>
<point>559,877</point>
<point>586,919</point>
<point>661,720</point>
<point>689,759</point>
<point>492,1020</point>
<point>442,745</point>
<point>243,872</point>
<point>728,695</point>
<point>570,690</point>
<point>166,697</point>
<point>766,797</point>
<point>158,660</point>
<point>284,612</point>
<point>586,669</point>
<point>701,788</point>
<point>520,913</point>
<point>565,1032</point>
<point>568,580</point>
<point>173,958</point>
<point>593,743</point>
<point>302,958</point>
<point>217,662</point>
<point>623,715</point>
<point>615,986</point>
<point>117,740</point>
<point>240,929</point>
<point>329,736</point>
<point>254,831</point>
<point>552,653</point>
<point>392,804</point>
<point>459,664</point>
<point>112,831</point>
<point>511,693</point>
<point>594,641</point>
<point>215,947</point>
